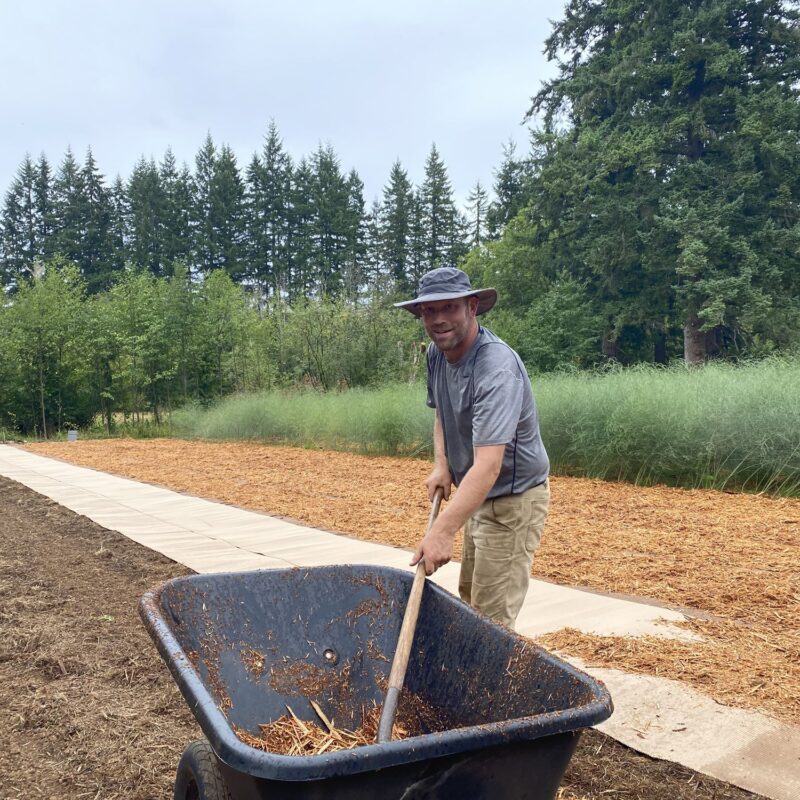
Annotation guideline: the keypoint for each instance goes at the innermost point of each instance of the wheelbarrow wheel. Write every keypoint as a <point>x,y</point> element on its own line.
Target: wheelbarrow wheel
<point>198,776</point>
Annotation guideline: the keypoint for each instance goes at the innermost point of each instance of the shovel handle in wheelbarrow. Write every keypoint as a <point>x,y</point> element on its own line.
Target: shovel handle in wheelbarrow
<point>405,639</point>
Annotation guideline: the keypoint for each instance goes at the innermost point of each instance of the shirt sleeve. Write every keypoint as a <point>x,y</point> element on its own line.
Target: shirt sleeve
<point>497,405</point>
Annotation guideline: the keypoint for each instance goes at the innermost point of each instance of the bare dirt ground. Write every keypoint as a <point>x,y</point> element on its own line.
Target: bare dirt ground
<point>87,708</point>
<point>732,560</point>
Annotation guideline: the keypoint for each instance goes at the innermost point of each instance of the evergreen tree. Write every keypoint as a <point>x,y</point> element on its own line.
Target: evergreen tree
<point>477,202</point>
<point>146,212</point>
<point>118,229</point>
<point>45,212</point>
<point>355,224</point>
<point>268,202</point>
<point>96,256</point>
<point>175,222</point>
<point>438,215</point>
<point>457,247</point>
<point>510,190</point>
<point>69,209</point>
<point>329,225</point>
<point>418,263</point>
<point>376,278</point>
<point>257,274</point>
<point>19,236</point>
<point>395,228</point>
<point>673,193</point>
<point>227,214</point>
<point>218,220</point>
<point>206,256</point>
<point>300,244</point>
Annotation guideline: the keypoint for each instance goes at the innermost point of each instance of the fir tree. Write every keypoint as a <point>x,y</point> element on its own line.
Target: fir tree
<point>146,212</point>
<point>96,259</point>
<point>418,263</point>
<point>174,225</point>
<point>329,224</point>
<point>300,245</point>
<point>355,224</point>
<point>674,190</point>
<point>376,277</point>
<point>118,229</point>
<point>69,209</point>
<point>20,240</point>
<point>45,212</point>
<point>227,214</point>
<point>438,214</point>
<point>206,257</point>
<point>477,203</point>
<point>395,227</point>
<point>268,207</point>
<point>510,190</point>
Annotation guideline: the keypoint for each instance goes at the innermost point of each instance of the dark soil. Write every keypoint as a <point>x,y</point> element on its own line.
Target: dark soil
<point>88,709</point>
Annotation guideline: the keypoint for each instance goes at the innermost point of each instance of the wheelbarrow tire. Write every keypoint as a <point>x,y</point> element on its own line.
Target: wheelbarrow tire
<point>198,776</point>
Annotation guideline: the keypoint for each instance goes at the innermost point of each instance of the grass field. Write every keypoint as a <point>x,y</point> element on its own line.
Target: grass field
<point>724,426</point>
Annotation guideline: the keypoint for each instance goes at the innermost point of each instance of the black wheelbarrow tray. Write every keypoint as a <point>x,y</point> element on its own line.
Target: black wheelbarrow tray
<point>493,715</point>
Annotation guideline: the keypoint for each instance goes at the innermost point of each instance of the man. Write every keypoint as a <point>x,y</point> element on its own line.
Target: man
<point>486,442</point>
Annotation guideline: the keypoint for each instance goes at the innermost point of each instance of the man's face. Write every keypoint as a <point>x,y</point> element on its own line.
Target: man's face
<point>449,323</point>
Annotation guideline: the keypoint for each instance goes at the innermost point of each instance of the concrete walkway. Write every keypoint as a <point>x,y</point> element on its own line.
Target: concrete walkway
<point>661,718</point>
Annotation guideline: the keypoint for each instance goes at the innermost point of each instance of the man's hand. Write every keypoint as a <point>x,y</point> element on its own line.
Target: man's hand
<point>436,549</point>
<point>440,476</point>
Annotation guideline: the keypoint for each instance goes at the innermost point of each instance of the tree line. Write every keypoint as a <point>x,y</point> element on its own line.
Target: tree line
<point>282,229</point>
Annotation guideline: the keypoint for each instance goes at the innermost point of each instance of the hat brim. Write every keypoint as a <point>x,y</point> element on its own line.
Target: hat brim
<point>486,300</point>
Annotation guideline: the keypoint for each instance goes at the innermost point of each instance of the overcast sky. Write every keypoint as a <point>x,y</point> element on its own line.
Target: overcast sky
<point>377,81</point>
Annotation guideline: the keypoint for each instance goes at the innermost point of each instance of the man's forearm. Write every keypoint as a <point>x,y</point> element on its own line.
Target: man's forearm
<point>472,490</point>
<point>436,548</point>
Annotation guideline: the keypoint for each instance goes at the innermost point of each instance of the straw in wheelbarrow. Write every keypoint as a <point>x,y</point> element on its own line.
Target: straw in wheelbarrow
<point>289,735</point>
<point>406,638</point>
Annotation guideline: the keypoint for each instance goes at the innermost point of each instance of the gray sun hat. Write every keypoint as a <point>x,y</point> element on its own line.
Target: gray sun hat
<point>447,283</point>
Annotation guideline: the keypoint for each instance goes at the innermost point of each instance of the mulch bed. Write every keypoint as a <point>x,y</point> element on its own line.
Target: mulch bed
<point>87,708</point>
<point>732,558</point>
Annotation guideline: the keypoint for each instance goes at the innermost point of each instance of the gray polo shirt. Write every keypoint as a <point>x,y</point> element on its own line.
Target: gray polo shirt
<point>485,398</point>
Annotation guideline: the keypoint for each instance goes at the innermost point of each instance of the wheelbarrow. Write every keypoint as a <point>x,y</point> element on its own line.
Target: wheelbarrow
<point>493,715</point>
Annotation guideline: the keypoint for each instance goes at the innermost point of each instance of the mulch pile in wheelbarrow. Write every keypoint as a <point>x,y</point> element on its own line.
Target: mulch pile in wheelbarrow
<point>290,736</point>
<point>732,558</point>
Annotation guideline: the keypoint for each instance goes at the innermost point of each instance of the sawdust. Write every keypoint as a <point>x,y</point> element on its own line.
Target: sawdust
<point>735,558</point>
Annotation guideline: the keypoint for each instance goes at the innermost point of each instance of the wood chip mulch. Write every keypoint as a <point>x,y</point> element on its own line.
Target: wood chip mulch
<point>291,736</point>
<point>734,559</point>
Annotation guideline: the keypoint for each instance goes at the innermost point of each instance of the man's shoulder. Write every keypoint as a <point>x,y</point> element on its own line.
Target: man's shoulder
<point>492,350</point>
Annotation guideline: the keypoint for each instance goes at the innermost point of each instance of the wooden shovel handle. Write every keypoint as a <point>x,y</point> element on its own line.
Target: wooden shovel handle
<point>406,638</point>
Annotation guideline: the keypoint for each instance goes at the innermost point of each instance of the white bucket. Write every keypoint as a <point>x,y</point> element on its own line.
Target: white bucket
<point>72,436</point>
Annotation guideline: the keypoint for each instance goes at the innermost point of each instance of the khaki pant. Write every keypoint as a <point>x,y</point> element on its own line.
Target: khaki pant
<point>500,539</point>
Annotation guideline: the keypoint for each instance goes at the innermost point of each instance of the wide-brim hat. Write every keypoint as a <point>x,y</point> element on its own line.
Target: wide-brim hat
<point>447,283</point>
